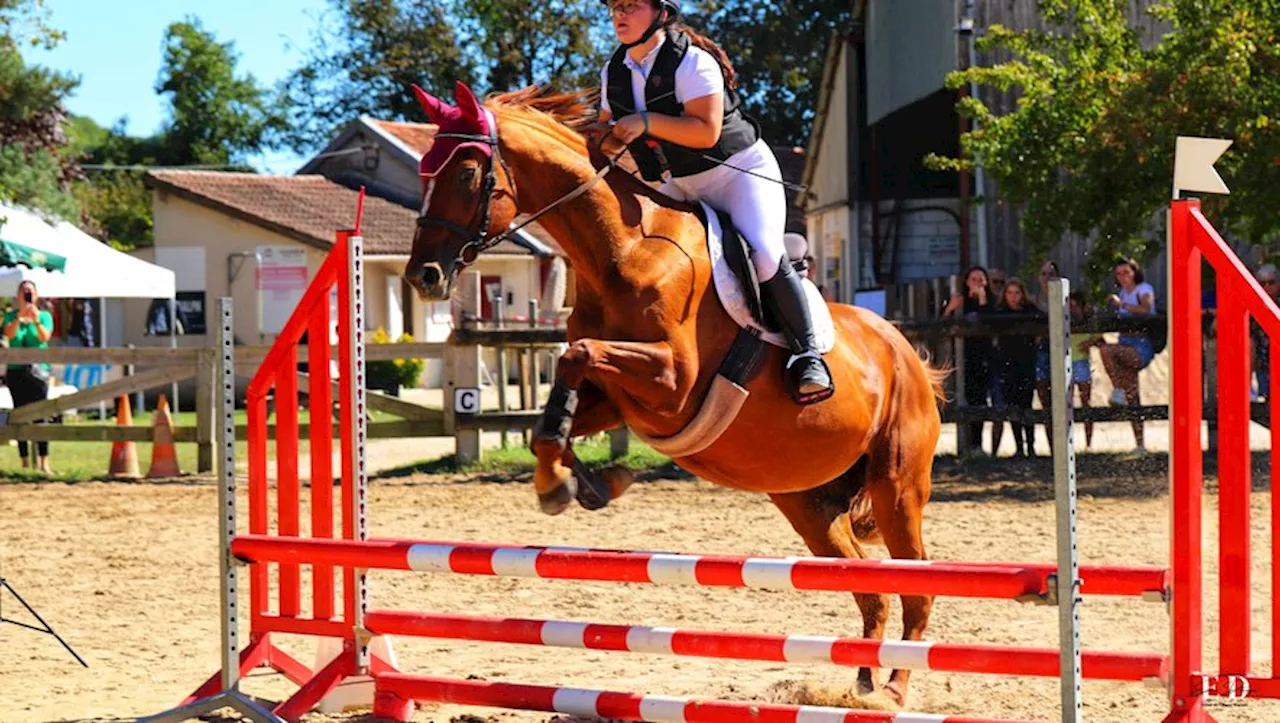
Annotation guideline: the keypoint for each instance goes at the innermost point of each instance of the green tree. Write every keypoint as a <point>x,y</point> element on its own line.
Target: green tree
<point>215,116</point>
<point>23,22</point>
<point>778,48</point>
<point>120,206</point>
<point>1089,146</point>
<point>365,54</point>
<point>114,199</point>
<point>35,171</point>
<point>521,43</point>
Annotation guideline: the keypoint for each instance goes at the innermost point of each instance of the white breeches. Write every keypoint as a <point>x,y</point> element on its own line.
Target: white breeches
<point>757,206</point>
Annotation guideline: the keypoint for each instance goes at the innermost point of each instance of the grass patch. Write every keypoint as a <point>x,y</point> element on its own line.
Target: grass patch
<point>518,460</point>
<point>83,461</point>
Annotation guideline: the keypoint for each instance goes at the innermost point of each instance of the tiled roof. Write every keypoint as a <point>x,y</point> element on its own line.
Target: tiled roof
<point>307,208</point>
<point>417,136</point>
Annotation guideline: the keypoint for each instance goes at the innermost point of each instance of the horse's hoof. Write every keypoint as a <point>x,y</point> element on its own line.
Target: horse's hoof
<point>593,491</point>
<point>895,692</point>
<point>618,478</point>
<point>555,501</point>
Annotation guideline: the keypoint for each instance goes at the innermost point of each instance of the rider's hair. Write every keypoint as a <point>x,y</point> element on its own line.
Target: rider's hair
<point>717,52</point>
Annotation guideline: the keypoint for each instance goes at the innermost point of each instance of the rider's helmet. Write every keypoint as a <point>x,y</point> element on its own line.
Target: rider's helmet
<point>671,6</point>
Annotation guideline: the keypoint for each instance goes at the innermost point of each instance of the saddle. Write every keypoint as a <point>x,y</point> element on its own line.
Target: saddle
<point>738,287</point>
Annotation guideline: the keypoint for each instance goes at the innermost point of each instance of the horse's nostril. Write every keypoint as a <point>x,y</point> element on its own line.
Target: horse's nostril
<point>431,275</point>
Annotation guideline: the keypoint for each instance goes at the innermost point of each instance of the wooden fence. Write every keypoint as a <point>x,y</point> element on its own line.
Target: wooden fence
<point>159,367</point>
<point>462,416</point>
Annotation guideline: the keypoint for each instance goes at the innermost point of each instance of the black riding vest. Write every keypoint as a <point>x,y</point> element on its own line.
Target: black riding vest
<point>653,156</point>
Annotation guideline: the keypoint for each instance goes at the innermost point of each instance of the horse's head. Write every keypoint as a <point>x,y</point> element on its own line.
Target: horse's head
<point>466,198</point>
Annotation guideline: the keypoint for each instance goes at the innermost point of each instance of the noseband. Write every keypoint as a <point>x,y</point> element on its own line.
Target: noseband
<point>476,241</point>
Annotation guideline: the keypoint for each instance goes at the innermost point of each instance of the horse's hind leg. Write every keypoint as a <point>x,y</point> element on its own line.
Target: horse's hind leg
<point>825,519</point>
<point>898,486</point>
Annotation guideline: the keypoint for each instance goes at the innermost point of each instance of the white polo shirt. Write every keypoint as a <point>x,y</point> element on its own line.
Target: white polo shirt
<point>697,76</point>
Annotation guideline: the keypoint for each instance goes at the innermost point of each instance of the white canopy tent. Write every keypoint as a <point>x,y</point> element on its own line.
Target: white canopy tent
<point>94,270</point>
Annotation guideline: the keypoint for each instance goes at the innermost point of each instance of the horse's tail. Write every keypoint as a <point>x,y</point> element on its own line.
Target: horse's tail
<point>936,374</point>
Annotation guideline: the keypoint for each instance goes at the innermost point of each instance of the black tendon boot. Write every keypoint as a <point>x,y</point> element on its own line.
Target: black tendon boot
<point>805,374</point>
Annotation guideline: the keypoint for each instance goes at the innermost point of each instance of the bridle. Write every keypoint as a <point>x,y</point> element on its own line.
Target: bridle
<point>476,241</point>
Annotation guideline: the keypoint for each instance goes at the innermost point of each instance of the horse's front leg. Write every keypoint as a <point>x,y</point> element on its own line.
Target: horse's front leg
<point>570,412</point>
<point>645,371</point>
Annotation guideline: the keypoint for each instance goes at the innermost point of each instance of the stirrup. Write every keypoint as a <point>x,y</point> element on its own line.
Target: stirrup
<point>792,384</point>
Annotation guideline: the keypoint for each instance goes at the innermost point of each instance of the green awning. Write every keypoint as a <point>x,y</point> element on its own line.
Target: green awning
<point>16,254</point>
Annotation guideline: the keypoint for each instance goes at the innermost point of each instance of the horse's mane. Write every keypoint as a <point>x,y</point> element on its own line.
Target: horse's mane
<point>565,114</point>
<point>571,110</point>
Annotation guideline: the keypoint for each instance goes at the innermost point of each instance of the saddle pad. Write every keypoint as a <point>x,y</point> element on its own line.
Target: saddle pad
<point>734,300</point>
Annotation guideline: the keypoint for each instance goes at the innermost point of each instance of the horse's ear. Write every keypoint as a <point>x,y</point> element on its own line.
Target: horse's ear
<point>467,103</point>
<point>431,105</point>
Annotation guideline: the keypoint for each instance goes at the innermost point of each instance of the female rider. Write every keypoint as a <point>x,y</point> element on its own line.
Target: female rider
<point>673,93</point>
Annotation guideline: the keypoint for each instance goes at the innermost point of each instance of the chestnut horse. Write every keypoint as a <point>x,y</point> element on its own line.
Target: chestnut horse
<point>647,335</point>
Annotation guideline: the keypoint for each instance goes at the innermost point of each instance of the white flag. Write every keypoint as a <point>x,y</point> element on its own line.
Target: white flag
<point>1193,165</point>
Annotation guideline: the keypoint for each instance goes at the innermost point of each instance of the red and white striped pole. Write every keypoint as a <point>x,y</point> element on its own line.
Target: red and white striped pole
<point>393,689</point>
<point>913,655</point>
<point>904,577</point>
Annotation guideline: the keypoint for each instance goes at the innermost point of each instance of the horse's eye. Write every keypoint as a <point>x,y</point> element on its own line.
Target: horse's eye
<point>467,176</point>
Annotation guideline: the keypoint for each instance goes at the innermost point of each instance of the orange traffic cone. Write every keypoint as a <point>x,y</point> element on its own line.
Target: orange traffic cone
<point>124,455</point>
<point>164,458</point>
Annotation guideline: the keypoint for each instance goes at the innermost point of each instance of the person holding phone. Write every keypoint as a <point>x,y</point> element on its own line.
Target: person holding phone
<point>28,326</point>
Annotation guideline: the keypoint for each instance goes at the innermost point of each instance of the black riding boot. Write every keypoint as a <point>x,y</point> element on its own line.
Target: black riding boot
<point>805,373</point>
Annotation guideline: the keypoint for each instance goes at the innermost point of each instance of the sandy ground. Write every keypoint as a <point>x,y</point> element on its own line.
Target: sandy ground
<point>127,573</point>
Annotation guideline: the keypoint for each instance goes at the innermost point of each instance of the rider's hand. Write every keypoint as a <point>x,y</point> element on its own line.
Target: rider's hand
<point>601,134</point>
<point>629,128</point>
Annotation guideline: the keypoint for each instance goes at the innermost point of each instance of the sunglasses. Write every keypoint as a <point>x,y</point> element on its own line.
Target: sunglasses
<point>622,9</point>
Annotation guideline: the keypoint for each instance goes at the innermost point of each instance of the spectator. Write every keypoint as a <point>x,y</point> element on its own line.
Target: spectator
<point>1018,367</point>
<point>1269,278</point>
<point>810,273</point>
<point>80,332</point>
<point>1081,363</point>
<point>978,300</point>
<point>1123,360</point>
<point>998,280</point>
<point>1048,272</point>
<point>798,247</point>
<point>28,326</point>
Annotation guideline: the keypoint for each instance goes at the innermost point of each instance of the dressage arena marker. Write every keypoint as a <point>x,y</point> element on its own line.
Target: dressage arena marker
<point>349,550</point>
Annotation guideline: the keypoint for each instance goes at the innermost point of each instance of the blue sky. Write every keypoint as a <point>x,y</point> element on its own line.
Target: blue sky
<point>114,47</point>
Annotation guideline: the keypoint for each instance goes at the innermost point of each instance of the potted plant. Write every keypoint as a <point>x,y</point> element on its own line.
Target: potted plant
<point>389,376</point>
